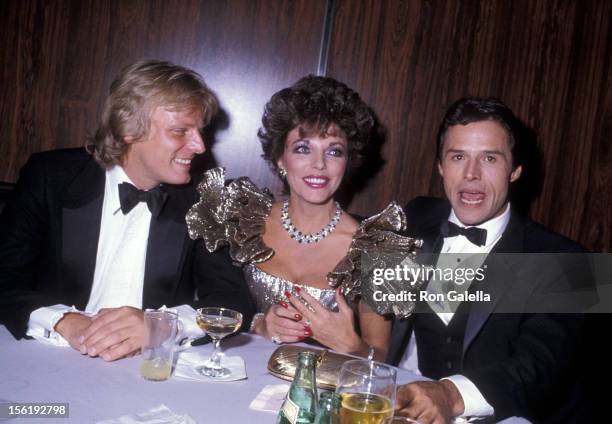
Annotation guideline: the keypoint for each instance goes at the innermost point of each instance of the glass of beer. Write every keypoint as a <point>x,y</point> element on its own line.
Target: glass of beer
<point>367,389</point>
<point>217,323</point>
<point>158,344</point>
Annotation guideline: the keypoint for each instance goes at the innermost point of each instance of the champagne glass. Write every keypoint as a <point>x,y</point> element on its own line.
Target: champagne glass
<point>367,389</point>
<point>217,323</point>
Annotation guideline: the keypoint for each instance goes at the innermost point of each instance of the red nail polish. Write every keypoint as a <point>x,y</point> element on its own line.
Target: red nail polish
<point>283,304</point>
<point>297,289</point>
<point>307,333</point>
<point>298,317</point>
<point>287,294</point>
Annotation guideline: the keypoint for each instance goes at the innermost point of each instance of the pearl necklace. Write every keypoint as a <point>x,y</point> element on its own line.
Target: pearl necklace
<point>297,235</point>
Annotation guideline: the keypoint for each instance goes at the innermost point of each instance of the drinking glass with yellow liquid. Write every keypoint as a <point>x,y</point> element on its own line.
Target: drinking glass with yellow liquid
<point>158,345</point>
<point>367,389</point>
<point>217,323</point>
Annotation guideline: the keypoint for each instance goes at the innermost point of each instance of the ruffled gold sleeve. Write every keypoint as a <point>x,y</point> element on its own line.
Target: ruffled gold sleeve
<point>231,215</point>
<point>376,246</point>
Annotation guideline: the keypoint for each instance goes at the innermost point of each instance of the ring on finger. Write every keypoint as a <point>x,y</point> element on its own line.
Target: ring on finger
<point>304,302</point>
<point>307,322</point>
<point>276,339</point>
<point>308,306</point>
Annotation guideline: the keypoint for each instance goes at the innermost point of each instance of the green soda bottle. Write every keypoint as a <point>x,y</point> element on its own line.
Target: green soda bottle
<point>300,406</point>
<point>329,408</point>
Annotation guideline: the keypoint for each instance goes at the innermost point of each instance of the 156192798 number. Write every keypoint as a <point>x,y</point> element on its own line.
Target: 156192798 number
<point>33,409</point>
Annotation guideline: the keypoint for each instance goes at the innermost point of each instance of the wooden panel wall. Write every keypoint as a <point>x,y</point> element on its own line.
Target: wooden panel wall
<point>548,60</point>
<point>60,56</point>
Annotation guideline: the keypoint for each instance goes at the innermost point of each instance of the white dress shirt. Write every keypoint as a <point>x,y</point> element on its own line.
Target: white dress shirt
<point>475,403</point>
<point>120,265</point>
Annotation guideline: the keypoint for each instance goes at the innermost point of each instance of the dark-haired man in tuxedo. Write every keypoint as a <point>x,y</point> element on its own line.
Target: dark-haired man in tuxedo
<point>486,363</point>
<point>94,236</point>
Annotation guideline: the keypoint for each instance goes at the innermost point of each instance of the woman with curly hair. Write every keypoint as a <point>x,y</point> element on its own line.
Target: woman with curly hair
<point>295,252</point>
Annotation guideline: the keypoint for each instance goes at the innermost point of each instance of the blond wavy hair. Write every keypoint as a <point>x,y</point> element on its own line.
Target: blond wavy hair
<point>134,95</point>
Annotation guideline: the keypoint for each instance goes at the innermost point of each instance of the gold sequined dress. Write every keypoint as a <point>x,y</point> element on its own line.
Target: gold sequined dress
<point>235,214</point>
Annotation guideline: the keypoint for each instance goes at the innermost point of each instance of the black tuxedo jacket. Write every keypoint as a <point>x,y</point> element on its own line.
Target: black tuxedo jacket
<point>522,363</point>
<point>49,234</point>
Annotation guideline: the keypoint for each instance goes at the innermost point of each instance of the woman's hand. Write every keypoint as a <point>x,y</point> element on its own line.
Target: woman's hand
<point>335,330</point>
<point>281,322</point>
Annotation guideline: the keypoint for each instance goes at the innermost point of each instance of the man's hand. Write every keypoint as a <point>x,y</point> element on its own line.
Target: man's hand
<point>114,333</point>
<point>72,326</point>
<point>436,402</point>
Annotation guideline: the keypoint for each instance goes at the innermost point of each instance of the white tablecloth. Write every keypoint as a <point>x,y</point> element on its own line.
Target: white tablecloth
<point>96,390</point>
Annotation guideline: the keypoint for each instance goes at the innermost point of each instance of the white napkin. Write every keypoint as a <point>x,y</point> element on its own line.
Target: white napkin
<point>189,360</point>
<point>270,399</point>
<point>158,415</point>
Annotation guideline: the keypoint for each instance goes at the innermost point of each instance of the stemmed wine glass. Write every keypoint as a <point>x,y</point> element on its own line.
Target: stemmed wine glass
<point>217,323</point>
<point>367,389</point>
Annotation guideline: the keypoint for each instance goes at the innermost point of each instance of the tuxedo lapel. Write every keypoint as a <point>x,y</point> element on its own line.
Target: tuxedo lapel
<point>400,337</point>
<point>166,251</point>
<point>81,212</point>
<point>499,277</point>
<point>432,245</point>
<point>428,228</point>
<point>427,255</point>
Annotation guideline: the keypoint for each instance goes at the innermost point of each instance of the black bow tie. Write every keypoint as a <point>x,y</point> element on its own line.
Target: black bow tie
<point>477,236</point>
<point>130,196</point>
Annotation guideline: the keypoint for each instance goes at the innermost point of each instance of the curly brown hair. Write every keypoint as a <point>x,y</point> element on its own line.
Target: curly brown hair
<point>135,93</point>
<point>317,102</point>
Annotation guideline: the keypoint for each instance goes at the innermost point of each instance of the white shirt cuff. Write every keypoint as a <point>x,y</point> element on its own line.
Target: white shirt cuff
<point>42,322</point>
<point>187,316</point>
<point>474,401</point>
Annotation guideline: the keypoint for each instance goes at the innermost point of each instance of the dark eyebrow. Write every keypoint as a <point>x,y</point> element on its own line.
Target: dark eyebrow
<point>487,152</point>
<point>495,152</point>
<point>453,151</point>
